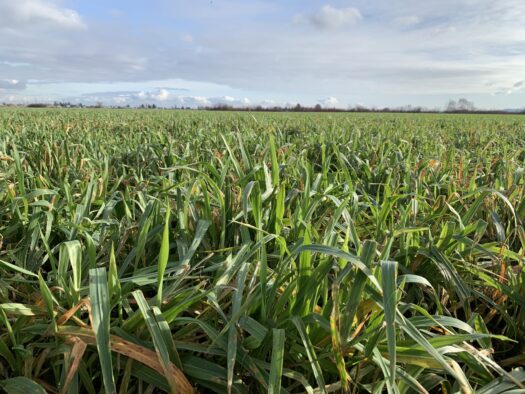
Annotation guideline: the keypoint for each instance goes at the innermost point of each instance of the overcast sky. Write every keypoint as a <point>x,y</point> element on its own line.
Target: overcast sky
<point>199,52</point>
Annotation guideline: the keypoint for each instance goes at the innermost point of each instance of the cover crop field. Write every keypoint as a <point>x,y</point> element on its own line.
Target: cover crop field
<point>147,251</point>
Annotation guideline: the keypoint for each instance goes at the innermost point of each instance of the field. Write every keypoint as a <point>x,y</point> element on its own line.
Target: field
<point>146,251</point>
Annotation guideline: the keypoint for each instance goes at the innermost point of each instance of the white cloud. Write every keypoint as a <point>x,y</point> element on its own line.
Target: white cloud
<point>268,103</point>
<point>162,95</point>
<point>329,17</point>
<point>165,97</point>
<point>197,100</point>
<point>229,100</point>
<point>34,13</point>
<point>156,95</point>
<point>329,102</point>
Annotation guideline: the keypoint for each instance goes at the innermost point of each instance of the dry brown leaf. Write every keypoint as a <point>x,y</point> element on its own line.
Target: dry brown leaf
<point>139,353</point>
<point>74,358</point>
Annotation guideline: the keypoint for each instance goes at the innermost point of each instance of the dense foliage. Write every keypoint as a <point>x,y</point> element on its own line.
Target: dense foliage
<point>179,251</point>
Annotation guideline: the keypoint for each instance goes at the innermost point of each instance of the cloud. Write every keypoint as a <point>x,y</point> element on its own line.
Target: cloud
<point>457,49</point>
<point>515,88</point>
<point>34,13</point>
<point>131,97</point>
<point>229,100</point>
<point>329,102</point>
<point>407,20</point>
<point>163,97</point>
<point>329,17</point>
<point>12,84</point>
<point>14,64</point>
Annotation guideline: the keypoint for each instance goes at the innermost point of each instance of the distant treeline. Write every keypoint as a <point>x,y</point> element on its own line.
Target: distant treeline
<point>318,108</point>
<point>462,106</point>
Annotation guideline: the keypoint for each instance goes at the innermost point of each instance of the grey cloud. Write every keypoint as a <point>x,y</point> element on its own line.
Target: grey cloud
<point>516,87</point>
<point>12,84</point>
<point>329,17</point>
<point>407,20</point>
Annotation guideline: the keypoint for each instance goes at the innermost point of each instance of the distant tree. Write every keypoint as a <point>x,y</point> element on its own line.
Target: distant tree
<point>465,105</point>
<point>462,105</point>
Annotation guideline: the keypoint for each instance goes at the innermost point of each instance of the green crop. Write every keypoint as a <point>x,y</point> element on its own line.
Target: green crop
<point>180,251</point>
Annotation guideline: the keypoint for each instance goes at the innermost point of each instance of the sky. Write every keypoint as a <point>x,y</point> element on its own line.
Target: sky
<point>339,53</point>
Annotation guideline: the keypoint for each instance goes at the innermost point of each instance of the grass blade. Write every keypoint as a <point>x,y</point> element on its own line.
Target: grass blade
<point>389,282</point>
<point>21,385</point>
<point>161,347</point>
<point>100,309</point>
<point>276,368</point>
<point>310,351</point>
<point>163,255</point>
